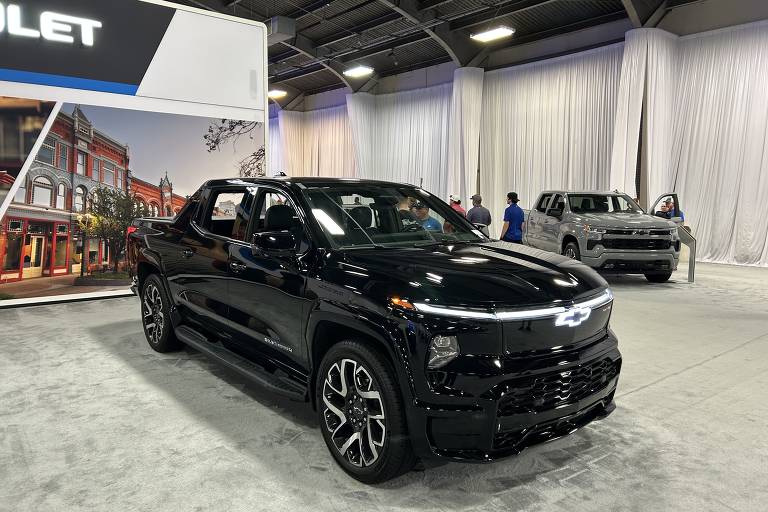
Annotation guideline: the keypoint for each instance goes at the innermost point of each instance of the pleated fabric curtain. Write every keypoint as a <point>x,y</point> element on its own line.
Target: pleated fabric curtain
<point>292,142</point>
<point>720,143</point>
<point>274,150</point>
<point>648,75</point>
<point>548,124</point>
<point>403,136</point>
<point>464,134</point>
<point>328,148</point>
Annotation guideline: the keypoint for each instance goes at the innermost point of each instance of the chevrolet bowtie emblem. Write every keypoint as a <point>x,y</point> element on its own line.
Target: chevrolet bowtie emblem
<point>573,317</point>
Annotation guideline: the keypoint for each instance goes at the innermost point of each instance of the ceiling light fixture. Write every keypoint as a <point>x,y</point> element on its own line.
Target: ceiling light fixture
<point>358,71</point>
<point>276,94</point>
<point>493,34</point>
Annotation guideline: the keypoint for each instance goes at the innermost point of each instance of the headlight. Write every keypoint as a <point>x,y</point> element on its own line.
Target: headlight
<point>442,351</point>
<point>594,233</point>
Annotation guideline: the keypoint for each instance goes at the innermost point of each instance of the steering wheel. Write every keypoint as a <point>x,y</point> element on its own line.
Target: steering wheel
<point>411,228</point>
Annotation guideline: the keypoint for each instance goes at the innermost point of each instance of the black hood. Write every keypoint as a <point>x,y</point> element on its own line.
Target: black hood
<point>493,274</point>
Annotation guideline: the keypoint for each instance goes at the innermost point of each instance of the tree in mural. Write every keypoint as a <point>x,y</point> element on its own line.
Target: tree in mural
<point>231,131</point>
<point>110,213</point>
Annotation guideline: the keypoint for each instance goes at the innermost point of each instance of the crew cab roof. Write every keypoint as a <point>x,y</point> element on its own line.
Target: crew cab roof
<point>289,180</point>
<point>598,192</point>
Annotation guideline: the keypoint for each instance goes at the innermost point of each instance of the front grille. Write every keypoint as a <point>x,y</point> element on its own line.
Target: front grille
<point>629,232</point>
<point>544,392</point>
<point>640,244</point>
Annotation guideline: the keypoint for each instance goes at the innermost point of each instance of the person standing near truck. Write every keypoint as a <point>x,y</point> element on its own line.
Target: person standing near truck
<point>514,219</point>
<point>478,214</point>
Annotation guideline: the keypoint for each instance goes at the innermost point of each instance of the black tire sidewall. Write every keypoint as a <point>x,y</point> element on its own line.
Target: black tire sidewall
<point>575,250</point>
<point>658,277</point>
<point>167,341</point>
<point>394,414</point>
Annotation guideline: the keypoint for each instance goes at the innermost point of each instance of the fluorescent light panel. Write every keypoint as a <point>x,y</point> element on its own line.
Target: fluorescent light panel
<point>493,34</point>
<point>358,71</point>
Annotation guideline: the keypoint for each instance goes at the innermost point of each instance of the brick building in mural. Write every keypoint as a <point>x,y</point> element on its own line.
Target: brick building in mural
<point>40,233</point>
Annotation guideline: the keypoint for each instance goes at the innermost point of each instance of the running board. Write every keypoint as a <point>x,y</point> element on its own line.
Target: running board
<point>241,365</point>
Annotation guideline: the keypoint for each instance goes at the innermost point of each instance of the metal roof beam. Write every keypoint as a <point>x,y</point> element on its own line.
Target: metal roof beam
<point>384,47</point>
<point>639,12</point>
<point>410,10</point>
<point>495,12</point>
<point>359,29</point>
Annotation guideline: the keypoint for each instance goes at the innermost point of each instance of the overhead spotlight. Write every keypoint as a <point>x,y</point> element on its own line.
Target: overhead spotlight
<point>493,34</point>
<point>276,94</point>
<point>358,71</point>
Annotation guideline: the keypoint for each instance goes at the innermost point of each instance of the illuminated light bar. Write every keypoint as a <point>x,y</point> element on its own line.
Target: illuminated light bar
<point>276,94</point>
<point>525,314</point>
<point>493,34</point>
<point>358,71</point>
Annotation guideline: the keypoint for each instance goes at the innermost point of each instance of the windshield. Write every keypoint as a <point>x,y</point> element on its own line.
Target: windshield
<point>602,203</point>
<point>364,214</point>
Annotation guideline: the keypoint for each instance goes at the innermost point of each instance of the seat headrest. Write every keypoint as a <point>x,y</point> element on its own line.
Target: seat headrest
<point>279,218</point>
<point>362,215</point>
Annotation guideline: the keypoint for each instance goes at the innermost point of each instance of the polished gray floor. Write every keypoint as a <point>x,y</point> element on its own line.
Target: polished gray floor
<point>92,419</point>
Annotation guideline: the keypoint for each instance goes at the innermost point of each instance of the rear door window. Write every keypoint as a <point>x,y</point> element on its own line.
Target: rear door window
<point>543,203</point>
<point>229,212</point>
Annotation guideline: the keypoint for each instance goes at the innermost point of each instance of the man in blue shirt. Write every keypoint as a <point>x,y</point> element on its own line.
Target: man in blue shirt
<point>421,213</point>
<point>514,219</point>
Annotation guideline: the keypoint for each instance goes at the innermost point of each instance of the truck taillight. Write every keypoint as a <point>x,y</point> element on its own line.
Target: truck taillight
<point>131,229</point>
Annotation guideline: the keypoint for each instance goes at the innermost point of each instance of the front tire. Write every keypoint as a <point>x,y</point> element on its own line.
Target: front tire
<point>361,413</point>
<point>658,277</point>
<point>571,250</point>
<point>155,317</point>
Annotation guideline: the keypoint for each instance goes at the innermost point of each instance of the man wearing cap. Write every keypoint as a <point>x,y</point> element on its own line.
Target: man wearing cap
<point>514,219</point>
<point>456,204</point>
<point>671,211</point>
<point>478,214</point>
<point>420,212</point>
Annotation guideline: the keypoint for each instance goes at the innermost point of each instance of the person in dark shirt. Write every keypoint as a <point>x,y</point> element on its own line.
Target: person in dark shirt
<point>478,214</point>
<point>514,219</point>
<point>671,211</point>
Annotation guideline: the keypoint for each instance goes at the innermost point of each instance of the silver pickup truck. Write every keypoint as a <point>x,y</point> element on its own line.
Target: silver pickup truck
<point>605,230</point>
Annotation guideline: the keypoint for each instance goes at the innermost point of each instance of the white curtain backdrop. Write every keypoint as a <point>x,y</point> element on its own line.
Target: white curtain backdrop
<point>292,142</point>
<point>548,124</point>
<point>464,134</point>
<point>720,142</point>
<point>648,75</point>
<point>316,143</point>
<point>328,149</point>
<point>275,150</point>
<point>403,136</point>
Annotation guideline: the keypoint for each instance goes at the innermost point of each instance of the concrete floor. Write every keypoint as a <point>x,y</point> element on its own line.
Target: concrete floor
<point>92,419</point>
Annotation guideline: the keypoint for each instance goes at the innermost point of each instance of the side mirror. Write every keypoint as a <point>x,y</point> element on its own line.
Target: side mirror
<point>483,229</point>
<point>273,243</point>
<point>555,212</point>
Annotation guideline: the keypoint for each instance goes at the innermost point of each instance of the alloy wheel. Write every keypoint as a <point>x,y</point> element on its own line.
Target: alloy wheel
<point>570,253</point>
<point>154,319</point>
<point>354,412</point>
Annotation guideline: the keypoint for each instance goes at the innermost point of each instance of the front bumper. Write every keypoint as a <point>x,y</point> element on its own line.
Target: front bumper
<point>631,261</point>
<point>522,408</point>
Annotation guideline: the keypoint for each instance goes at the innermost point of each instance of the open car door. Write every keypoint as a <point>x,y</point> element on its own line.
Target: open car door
<point>658,208</point>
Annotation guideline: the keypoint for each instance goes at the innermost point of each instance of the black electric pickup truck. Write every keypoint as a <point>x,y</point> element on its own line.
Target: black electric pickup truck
<point>409,331</point>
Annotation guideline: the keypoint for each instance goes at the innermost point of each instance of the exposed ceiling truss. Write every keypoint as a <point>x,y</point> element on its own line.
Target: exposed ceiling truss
<point>396,35</point>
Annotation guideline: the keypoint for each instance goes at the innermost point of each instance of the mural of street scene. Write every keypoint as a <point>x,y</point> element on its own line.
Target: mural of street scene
<point>98,169</point>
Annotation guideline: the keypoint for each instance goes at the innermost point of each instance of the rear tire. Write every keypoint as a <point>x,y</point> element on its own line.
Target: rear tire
<point>658,277</point>
<point>571,250</point>
<point>155,316</point>
<point>361,413</point>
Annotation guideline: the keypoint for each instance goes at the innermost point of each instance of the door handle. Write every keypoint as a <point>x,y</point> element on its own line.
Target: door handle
<point>237,267</point>
<point>187,253</point>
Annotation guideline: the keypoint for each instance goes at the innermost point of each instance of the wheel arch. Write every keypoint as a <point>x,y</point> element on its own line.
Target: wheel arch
<point>325,331</point>
<point>568,238</point>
